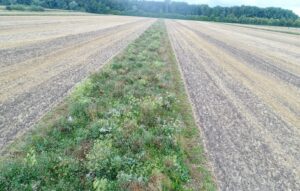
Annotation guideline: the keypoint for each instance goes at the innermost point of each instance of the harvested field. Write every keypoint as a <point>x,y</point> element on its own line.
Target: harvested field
<point>42,58</point>
<point>244,85</point>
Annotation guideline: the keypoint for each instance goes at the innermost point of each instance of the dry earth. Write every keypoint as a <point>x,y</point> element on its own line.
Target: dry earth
<point>244,84</point>
<point>43,57</point>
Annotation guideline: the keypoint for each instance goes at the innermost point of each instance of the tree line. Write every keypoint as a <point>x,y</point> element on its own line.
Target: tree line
<point>170,9</point>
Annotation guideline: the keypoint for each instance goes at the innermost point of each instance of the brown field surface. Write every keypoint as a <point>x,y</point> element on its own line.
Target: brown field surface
<point>244,84</point>
<point>43,57</point>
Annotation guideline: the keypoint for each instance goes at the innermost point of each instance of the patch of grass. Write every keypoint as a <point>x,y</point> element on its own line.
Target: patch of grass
<point>128,127</point>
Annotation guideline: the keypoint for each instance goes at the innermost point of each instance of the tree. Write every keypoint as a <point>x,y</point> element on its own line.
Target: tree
<point>167,4</point>
<point>25,2</point>
<point>73,5</point>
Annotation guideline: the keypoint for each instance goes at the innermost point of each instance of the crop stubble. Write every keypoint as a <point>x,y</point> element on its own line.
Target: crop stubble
<point>244,85</point>
<point>42,58</point>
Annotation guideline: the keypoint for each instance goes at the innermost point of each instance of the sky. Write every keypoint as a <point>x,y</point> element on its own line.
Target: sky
<point>293,5</point>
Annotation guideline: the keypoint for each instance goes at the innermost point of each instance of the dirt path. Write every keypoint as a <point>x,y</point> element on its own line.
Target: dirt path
<point>37,75</point>
<point>244,85</point>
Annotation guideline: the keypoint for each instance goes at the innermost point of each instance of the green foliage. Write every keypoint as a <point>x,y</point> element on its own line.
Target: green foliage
<point>120,130</point>
<point>100,185</point>
<point>16,7</point>
<point>19,7</point>
<point>73,5</point>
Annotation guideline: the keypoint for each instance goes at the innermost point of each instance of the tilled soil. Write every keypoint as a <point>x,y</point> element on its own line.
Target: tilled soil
<point>37,75</point>
<point>244,86</point>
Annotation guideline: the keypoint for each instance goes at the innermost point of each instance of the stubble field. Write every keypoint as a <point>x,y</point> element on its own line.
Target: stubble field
<point>244,85</point>
<point>243,82</point>
<point>43,57</point>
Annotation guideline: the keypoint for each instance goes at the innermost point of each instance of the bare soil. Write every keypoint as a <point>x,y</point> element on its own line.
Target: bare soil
<point>244,86</point>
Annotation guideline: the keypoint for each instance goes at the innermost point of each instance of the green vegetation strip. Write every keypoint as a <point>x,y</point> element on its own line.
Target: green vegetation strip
<point>128,127</point>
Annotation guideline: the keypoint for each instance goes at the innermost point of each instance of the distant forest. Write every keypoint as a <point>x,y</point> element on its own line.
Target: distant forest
<point>170,9</point>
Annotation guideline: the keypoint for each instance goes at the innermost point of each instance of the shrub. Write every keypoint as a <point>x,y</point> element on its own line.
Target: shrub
<point>19,7</point>
<point>16,7</point>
